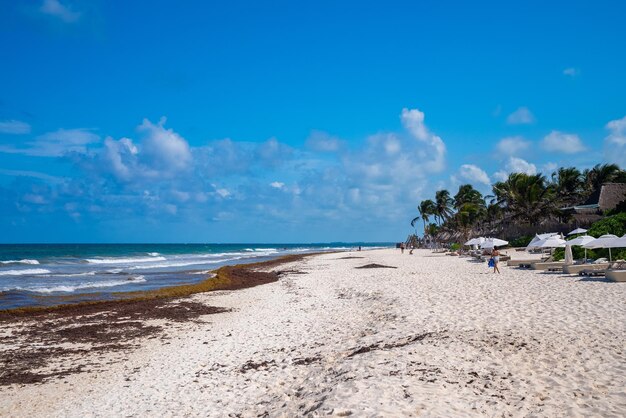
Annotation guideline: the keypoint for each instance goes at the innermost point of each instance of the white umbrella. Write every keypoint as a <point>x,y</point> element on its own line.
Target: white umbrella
<point>577,231</point>
<point>551,242</point>
<point>569,257</point>
<point>475,241</point>
<point>537,239</point>
<point>619,242</point>
<point>581,241</point>
<point>493,242</point>
<point>605,241</point>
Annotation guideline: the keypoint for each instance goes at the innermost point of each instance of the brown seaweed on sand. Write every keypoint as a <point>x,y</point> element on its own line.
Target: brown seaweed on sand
<point>375,266</point>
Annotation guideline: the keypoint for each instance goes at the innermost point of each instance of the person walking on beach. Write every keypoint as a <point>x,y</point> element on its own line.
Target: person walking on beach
<point>495,256</point>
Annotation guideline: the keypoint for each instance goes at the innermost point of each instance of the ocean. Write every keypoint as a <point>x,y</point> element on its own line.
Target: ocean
<point>51,274</point>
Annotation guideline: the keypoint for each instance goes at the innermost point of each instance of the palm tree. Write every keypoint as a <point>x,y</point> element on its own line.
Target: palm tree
<point>443,204</point>
<point>526,198</point>
<point>432,229</point>
<point>569,185</point>
<point>468,215</point>
<point>600,174</point>
<point>426,208</point>
<point>467,194</point>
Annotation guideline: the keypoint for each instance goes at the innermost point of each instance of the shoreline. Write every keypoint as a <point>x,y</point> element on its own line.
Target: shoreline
<point>48,324</point>
<point>224,278</point>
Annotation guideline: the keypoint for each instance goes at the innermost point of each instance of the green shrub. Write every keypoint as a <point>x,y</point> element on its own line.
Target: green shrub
<point>615,224</point>
<point>455,246</point>
<point>521,241</point>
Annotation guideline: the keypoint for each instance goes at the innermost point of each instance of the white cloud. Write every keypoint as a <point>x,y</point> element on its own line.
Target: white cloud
<point>121,157</point>
<point>571,72</point>
<point>413,121</point>
<point>515,165</point>
<point>518,165</point>
<point>56,144</point>
<point>56,9</point>
<point>615,142</point>
<point>500,175</point>
<point>158,172</point>
<point>14,127</point>
<point>521,116</point>
<point>223,193</point>
<point>161,153</point>
<point>272,153</point>
<point>164,149</point>
<point>323,142</point>
<point>557,141</point>
<point>549,167</point>
<point>512,145</point>
<point>474,174</point>
<point>618,131</point>
<point>33,174</point>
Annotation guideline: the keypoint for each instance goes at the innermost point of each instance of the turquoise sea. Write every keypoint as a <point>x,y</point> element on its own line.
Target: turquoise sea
<point>46,274</point>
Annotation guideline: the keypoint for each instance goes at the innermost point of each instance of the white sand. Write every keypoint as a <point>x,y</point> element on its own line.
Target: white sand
<point>438,336</point>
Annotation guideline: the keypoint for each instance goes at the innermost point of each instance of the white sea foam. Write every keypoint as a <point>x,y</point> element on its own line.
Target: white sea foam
<point>202,272</point>
<point>179,264</point>
<point>87,273</point>
<point>23,272</point>
<point>25,261</point>
<point>153,254</point>
<point>124,260</point>
<point>80,286</point>
<point>215,255</point>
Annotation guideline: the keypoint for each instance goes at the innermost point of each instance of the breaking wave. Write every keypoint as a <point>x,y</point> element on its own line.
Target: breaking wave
<point>23,272</point>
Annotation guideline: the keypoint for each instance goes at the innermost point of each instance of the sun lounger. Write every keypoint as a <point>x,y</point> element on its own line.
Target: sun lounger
<point>616,275</point>
<point>520,263</point>
<point>548,265</point>
<point>577,268</point>
<point>618,265</point>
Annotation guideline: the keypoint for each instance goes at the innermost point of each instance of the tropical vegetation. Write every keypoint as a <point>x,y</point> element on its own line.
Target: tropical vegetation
<point>520,200</point>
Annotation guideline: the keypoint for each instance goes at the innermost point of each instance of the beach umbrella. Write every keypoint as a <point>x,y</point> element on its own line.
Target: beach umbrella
<point>577,231</point>
<point>475,241</point>
<point>493,242</point>
<point>553,241</point>
<point>605,241</point>
<point>581,241</point>
<point>569,257</point>
<point>619,242</point>
<point>538,238</point>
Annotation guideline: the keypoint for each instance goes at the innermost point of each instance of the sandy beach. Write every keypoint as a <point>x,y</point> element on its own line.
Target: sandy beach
<point>427,335</point>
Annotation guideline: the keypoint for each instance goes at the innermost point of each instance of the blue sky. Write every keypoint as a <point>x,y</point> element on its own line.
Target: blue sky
<point>290,121</point>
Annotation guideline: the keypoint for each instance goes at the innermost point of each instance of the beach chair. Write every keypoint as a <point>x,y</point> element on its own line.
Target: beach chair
<point>616,275</point>
<point>547,265</point>
<point>521,263</point>
<point>527,263</point>
<point>617,265</point>
<point>577,268</point>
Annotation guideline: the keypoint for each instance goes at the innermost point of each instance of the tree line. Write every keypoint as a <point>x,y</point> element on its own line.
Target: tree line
<point>523,199</point>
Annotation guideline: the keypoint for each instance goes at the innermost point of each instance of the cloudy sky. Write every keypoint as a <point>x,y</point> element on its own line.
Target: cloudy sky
<point>290,121</point>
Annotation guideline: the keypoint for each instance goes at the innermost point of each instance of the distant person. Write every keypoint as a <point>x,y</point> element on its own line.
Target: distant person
<point>495,256</point>
<point>402,248</point>
<point>359,248</point>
